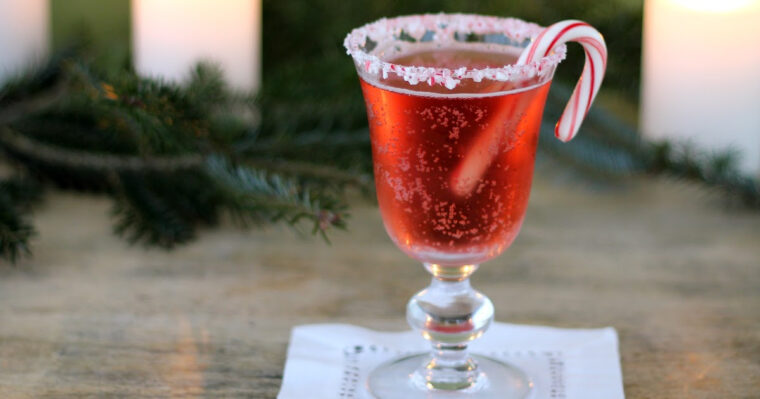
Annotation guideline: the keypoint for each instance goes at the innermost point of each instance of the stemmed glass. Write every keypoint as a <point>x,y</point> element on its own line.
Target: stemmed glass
<point>454,114</point>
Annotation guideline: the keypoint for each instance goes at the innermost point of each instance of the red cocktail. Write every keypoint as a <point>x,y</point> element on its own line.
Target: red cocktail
<point>453,168</point>
<point>454,104</point>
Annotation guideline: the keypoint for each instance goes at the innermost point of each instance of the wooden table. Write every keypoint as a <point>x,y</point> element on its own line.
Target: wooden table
<point>676,272</point>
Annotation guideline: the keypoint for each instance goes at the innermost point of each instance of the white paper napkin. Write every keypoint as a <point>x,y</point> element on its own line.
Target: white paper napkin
<point>333,360</point>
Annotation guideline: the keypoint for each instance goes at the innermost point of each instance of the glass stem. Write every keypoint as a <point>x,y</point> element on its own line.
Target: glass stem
<point>449,313</point>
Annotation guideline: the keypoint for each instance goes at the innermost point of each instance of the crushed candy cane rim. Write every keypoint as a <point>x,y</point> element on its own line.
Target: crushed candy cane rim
<point>443,29</point>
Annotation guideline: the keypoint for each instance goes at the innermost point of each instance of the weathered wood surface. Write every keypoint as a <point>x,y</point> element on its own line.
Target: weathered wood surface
<point>675,272</point>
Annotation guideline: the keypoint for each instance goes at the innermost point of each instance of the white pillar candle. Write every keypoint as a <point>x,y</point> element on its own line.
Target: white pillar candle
<point>170,36</point>
<point>701,75</point>
<point>23,35</point>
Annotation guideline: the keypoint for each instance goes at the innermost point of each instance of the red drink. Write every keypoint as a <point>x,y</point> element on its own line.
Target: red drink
<point>453,168</point>
<point>454,103</point>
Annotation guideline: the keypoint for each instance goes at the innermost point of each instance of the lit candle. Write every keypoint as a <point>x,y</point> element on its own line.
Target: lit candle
<point>701,75</point>
<point>170,36</point>
<point>23,34</point>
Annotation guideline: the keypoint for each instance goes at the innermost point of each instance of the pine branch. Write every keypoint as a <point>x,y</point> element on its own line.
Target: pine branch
<point>145,142</point>
<point>341,150</point>
<point>716,169</point>
<point>311,171</point>
<point>37,80</point>
<point>163,209</point>
<point>67,158</point>
<point>608,147</point>
<point>590,156</point>
<point>161,118</point>
<point>17,196</point>
<point>256,196</point>
<point>15,231</point>
<point>335,140</point>
<point>167,209</point>
<point>41,101</point>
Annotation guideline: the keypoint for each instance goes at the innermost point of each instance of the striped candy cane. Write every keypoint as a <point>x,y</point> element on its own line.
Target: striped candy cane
<point>593,71</point>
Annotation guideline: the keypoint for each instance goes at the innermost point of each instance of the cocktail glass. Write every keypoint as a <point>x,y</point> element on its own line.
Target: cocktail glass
<point>454,123</point>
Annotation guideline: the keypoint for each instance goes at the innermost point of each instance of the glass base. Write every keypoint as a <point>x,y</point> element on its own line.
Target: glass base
<point>403,379</point>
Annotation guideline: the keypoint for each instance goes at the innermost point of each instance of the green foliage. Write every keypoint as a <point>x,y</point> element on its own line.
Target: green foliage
<point>173,158</point>
<point>17,196</point>
<point>255,196</point>
<point>613,149</point>
<point>716,170</point>
<point>163,209</point>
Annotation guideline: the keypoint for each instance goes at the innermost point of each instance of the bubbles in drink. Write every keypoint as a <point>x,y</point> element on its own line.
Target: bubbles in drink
<point>454,169</point>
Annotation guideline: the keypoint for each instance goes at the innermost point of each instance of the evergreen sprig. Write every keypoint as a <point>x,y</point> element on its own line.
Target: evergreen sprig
<point>611,148</point>
<point>714,169</point>
<point>174,158</point>
<point>257,196</point>
<point>17,197</point>
<point>163,209</point>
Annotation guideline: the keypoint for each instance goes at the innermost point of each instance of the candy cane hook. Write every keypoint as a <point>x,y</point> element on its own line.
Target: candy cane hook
<point>593,71</point>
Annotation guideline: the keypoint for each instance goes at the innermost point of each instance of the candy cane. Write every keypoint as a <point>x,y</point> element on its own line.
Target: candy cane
<point>486,145</point>
<point>593,71</point>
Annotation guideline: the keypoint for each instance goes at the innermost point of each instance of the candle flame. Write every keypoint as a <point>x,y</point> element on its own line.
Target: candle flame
<point>716,6</point>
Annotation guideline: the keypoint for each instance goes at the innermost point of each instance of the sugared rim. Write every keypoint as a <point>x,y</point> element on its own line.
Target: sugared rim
<point>442,28</point>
